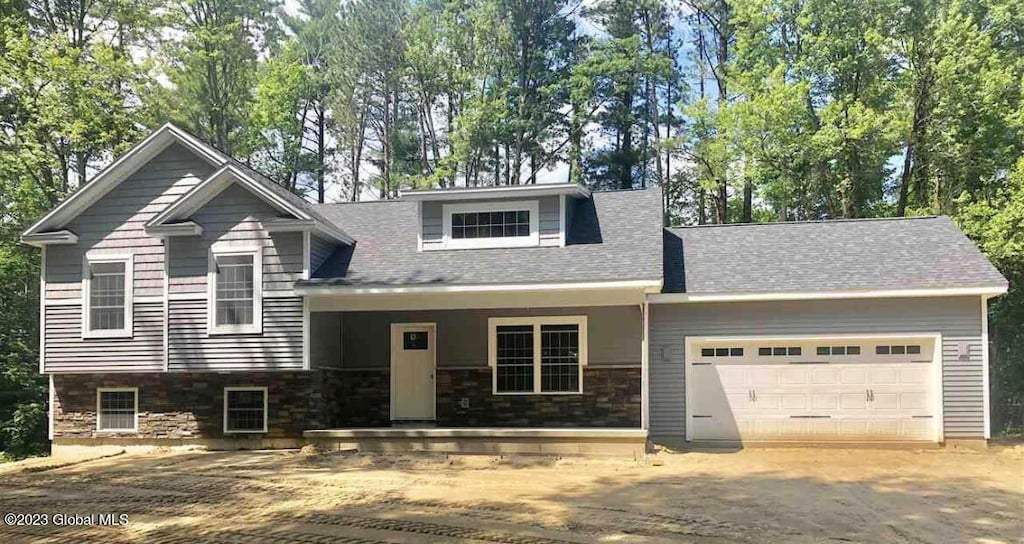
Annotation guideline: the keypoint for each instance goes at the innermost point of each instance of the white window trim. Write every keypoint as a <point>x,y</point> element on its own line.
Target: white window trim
<point>266,414</point>
<point>129,286</point>
<point>256,327</point>
<point>492,349</point>
<point>531,206</point>
<point>99,408</point>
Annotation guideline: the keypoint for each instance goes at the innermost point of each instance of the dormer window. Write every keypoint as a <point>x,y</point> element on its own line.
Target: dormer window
<point>472,225</point>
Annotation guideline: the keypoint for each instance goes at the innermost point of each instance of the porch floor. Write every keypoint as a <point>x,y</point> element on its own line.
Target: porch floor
<point>485,440</point>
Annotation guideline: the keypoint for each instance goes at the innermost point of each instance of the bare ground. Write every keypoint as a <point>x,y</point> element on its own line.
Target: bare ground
<point>750,496</point>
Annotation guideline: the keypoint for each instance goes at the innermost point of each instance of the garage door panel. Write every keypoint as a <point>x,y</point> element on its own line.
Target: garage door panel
<point>852,398</point>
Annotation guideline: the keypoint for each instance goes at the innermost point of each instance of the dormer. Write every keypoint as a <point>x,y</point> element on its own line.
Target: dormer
<point>495,217</point>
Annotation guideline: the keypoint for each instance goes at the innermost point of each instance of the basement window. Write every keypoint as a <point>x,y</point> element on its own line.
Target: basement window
<point>245,409</point>
<point>538,355</point>
<point>117,409</point>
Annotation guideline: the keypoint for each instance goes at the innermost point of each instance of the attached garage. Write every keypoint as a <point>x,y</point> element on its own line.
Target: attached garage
<point>847,388</point>
<point>850,330</point>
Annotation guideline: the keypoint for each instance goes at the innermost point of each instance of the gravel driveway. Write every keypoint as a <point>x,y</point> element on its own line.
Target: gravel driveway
<point>750,496</point>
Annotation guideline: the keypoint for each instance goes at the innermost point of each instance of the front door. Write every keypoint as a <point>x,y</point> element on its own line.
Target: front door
<point>412,370</point>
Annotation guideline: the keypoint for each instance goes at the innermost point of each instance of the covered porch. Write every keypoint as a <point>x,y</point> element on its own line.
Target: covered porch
<point>557,372</point>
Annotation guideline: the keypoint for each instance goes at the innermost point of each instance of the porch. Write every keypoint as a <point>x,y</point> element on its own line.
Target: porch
<point>484,441</point>
<point>481,377</point>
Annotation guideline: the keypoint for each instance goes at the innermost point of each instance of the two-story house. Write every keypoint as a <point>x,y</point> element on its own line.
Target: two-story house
<point>188,300</point>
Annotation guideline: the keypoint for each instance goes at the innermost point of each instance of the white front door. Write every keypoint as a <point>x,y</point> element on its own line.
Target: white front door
<point>413,350</point>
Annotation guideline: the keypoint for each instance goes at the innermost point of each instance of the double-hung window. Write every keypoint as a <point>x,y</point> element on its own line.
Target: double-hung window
<point>245,409</point>
<point>491,224</point>
<point>107,296</point>
<point>117,409</point>
<point>236,291</point>
<point>531,355</point>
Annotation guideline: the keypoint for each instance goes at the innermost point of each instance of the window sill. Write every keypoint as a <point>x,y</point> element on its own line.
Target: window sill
<point>483,243</point>
<point>119,333</point>
<point>264,431</point>
<point>222,331</point>
<point>117,431</point>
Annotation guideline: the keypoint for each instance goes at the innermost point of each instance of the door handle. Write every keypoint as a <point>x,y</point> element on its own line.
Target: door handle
<point>869,394</point>
<point>872,395</point>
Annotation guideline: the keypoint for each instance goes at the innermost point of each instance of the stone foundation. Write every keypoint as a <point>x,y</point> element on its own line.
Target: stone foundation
<point>358,398</point>
<point>184,406</point>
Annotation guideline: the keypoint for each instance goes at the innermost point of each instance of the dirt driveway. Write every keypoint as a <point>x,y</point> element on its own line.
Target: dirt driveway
<point>751,496</point>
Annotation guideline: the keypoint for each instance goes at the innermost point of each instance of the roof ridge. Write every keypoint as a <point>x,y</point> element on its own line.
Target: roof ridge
<point>809,222</point>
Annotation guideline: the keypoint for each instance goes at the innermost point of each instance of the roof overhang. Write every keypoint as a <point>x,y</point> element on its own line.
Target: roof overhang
<point>212,186</point>
<point>479,296</point>
<point>678,298</point>
<point>534,190</point>
<point>41,239</point>
<point>124,166</point>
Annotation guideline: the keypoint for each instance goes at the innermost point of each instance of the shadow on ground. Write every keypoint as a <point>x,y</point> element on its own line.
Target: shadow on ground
<point>750,496</point>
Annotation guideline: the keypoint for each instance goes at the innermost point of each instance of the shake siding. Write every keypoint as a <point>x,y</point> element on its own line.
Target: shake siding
<point>66,351</point>
<point>958,319</point>
<point>234,215</point>
<point>278,348</point>
<point>116,222</point>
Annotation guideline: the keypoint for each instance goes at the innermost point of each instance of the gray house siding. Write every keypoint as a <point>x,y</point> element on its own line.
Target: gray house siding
<point>319,250</point>
<point>235,215</point>
<point>614,334</point>
<point>66,351</point>
<point>958,319</point>
<point>278,348</point>
<point>117,222</point>
<point>549,208</point>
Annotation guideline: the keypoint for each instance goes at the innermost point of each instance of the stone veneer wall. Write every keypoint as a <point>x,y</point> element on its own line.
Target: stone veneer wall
<point>611,398</point>
<point>189,405</point>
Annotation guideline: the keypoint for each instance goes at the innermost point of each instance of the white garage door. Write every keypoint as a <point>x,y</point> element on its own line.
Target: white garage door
<point>848,389</point>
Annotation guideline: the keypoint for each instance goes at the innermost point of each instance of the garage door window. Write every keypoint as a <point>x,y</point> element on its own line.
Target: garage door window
<point>792,351</point>
<point>912,349</point>
<point>838,350</point>
<point>721,352</point>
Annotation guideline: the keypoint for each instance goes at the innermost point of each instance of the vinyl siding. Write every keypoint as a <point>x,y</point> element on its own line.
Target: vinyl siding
<point>66,351</point>
<point>278,348</point>
<point>235,215</point>
<point>958,319</point>
<point>549,209</point>
<point>116,222</point>
<point>614,334</point>
<point>319,250</point>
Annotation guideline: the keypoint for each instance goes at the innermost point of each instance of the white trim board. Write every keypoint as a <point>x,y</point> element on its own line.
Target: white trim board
<point>309,289</point>
<point>677,298</point>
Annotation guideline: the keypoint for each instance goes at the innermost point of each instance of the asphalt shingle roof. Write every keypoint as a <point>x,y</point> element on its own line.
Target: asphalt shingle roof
<point>615,235</point>
<point>923,252</point>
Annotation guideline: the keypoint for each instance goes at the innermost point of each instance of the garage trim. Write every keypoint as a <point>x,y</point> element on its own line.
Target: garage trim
<point>689,350</point>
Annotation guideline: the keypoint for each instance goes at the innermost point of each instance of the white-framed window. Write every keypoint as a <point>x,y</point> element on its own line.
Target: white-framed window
<point>117,409</point>
<point>107,296</point>
<point>491,224</point>
<point>235,304</point>
<point>537,355</point>
<point>245,409</point>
